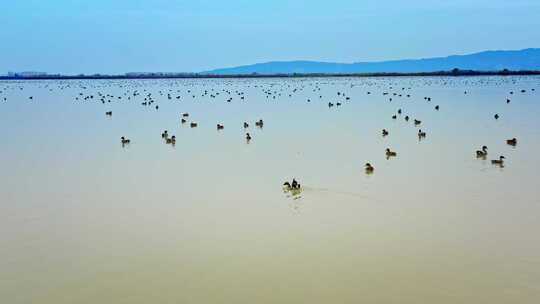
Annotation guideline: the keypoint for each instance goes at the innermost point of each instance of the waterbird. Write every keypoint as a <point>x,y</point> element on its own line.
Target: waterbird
<point>483,152</point>
<point>369,168</point>
<point>499,161</point>
<point>390,153</point>
<point>511,142</point>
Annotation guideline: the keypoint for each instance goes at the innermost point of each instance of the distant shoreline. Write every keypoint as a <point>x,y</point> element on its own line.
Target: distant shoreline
<point>452,73</point>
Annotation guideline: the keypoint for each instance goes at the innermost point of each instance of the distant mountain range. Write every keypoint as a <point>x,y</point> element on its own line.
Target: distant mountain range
<point>527,59</point>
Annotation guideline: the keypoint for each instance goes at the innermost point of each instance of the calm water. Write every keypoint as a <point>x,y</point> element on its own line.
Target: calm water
<point>85,220</point>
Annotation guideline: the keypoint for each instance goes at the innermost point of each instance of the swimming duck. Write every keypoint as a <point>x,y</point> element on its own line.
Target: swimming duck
<point>394,116</point>
<point>421,134</point>
<point>108,113</point>
<point>417,122</point>
<point>171,140</point>
<point>390,153</point>
<point>183,121</point>
<point>220,127</point>
<point>496,116</point>
<point>511,142</point>
<point>507,100</point>
<point>406,118</point>
<point>399,111</point>
<point>193,125</point>
<point>384,132</point>
<point>499,161</point>
<point>185,114</point>
<point>482,153</point>
<point>124,140</point>
<point>369,168</point>
<point>437,107</point>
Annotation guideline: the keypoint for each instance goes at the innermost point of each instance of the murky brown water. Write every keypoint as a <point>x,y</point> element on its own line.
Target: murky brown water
<point>85,220</point>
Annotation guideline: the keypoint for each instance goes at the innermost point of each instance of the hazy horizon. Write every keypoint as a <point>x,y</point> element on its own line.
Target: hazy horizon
<point>73,37</point>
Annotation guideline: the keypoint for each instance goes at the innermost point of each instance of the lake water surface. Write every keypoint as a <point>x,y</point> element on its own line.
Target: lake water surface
<point>84,219</point>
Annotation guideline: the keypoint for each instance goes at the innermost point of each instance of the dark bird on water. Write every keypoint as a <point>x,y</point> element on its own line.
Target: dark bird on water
<point>369,168</point>
<point>511,142</point>
<point>483,152</point>
<point>390,153</point>
<point>499,161</point>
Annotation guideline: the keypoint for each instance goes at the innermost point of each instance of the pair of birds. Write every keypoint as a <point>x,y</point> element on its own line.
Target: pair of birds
<point>259,124</point>
<point>294,185</point>
<point>108,113</point>
<point>484,152</point>
<point>421,133</point>
<point>124,140</point>
<point>171,140</point>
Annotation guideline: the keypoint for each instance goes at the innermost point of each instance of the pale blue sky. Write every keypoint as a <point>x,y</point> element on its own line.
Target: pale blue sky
<point>105,36</point>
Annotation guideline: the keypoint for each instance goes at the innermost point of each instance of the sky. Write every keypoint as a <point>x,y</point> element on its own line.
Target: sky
<point>105,36</point>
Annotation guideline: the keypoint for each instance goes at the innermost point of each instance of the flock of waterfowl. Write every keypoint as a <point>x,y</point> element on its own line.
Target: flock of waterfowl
<point>147,98</point>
